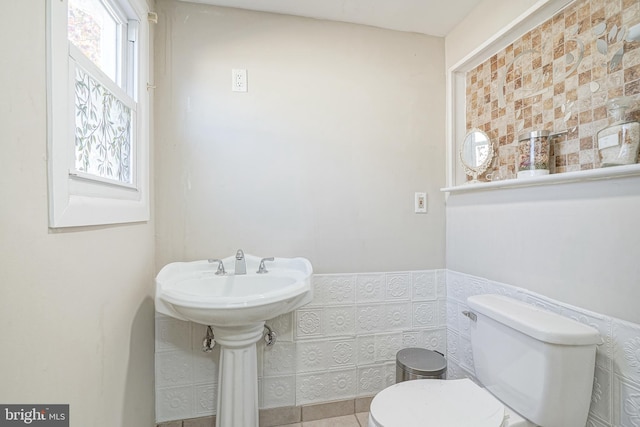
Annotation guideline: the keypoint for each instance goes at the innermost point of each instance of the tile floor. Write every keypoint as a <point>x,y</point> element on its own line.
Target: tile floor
<point>358,420</point>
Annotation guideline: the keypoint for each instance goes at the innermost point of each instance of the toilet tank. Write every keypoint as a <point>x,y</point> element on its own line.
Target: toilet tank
<point>538,363</point>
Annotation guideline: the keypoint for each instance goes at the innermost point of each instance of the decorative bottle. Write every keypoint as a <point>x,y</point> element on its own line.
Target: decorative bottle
<point>619,142</point>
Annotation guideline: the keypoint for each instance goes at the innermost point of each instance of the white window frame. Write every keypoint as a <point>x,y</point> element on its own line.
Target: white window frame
<point>78,199</point>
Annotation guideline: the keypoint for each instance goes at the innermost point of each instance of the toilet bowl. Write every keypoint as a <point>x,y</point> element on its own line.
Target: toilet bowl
<point>440,403</point>
<point>539,363</point>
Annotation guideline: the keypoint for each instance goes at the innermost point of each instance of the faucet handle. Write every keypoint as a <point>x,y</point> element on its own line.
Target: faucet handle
<point>220,270</point>
<point>239,254</point>
<point>261,268</point>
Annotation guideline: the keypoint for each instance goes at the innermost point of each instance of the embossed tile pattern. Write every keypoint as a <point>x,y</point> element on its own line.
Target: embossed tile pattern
<point>279,391</point>
<point>349,339</point>
<point>343,346</point>
<point>340,346</point>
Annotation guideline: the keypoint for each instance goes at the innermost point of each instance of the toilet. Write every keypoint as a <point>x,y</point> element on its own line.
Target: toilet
<point>535,368</point>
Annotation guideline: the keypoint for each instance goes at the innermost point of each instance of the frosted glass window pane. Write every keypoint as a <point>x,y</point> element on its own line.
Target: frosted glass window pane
<point>103,130</point>
<point>94,30</point>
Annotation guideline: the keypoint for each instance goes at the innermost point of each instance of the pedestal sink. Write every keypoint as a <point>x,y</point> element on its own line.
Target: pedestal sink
<point>236,306</point>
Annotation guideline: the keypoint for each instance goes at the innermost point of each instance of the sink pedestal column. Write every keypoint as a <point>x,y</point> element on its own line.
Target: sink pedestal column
<point>238,376</point>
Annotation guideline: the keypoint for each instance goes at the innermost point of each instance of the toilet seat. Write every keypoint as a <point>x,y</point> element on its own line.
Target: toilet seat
<point>437,403</point>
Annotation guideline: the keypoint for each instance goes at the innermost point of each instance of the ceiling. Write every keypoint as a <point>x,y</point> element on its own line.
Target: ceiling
<point>432,17</point>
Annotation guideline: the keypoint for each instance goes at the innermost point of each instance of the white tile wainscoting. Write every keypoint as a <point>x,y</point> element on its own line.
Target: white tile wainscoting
<point>340,346</point>
<point>616,390</point>
<point>343,345</point>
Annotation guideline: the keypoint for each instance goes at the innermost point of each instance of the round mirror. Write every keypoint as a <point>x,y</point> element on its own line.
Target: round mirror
<point>476,153</point>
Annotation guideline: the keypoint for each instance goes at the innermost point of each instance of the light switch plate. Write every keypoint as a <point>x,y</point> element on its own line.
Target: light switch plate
<point>420,202</point>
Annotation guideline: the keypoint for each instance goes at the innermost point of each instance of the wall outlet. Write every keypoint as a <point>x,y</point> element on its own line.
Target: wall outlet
<point>420,202</point>
<point>238,80</point>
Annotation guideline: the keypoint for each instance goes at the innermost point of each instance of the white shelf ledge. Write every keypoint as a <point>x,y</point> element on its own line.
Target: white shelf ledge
<point>560,178</point>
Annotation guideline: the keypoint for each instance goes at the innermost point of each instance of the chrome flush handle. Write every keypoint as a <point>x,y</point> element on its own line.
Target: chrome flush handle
<point>471,315</point>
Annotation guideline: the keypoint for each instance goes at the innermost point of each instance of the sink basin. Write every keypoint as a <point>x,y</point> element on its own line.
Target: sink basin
<point>237,308</point>
<point>192,291</point>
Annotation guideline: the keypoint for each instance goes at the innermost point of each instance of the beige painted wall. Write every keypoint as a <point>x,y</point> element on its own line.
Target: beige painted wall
<point>486,19</point>
<point>320,158</point>
<point>76,318</point>
<point>577,243</point>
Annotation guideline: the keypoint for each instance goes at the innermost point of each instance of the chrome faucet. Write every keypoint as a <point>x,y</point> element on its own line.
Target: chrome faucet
<point>241,264</point>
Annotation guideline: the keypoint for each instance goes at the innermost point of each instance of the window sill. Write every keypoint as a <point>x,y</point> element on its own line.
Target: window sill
<point>561,178</point>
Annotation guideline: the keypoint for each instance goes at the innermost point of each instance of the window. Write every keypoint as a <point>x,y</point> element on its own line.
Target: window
<point>102,130</point>
<point>98,116</point>
<point>95,31</point>
<point>103,112</point>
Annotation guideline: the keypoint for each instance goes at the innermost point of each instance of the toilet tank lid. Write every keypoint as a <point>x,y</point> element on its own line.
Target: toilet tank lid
<point>530,320</point>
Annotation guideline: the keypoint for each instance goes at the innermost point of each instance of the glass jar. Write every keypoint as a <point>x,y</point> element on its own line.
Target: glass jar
<point>619,142</point>
<point>533,153</point>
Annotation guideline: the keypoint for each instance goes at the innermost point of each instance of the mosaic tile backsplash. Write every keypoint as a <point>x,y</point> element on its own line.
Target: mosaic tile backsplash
<point>616,389</point>
<point>558,77</point>
<point>340,346</point>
